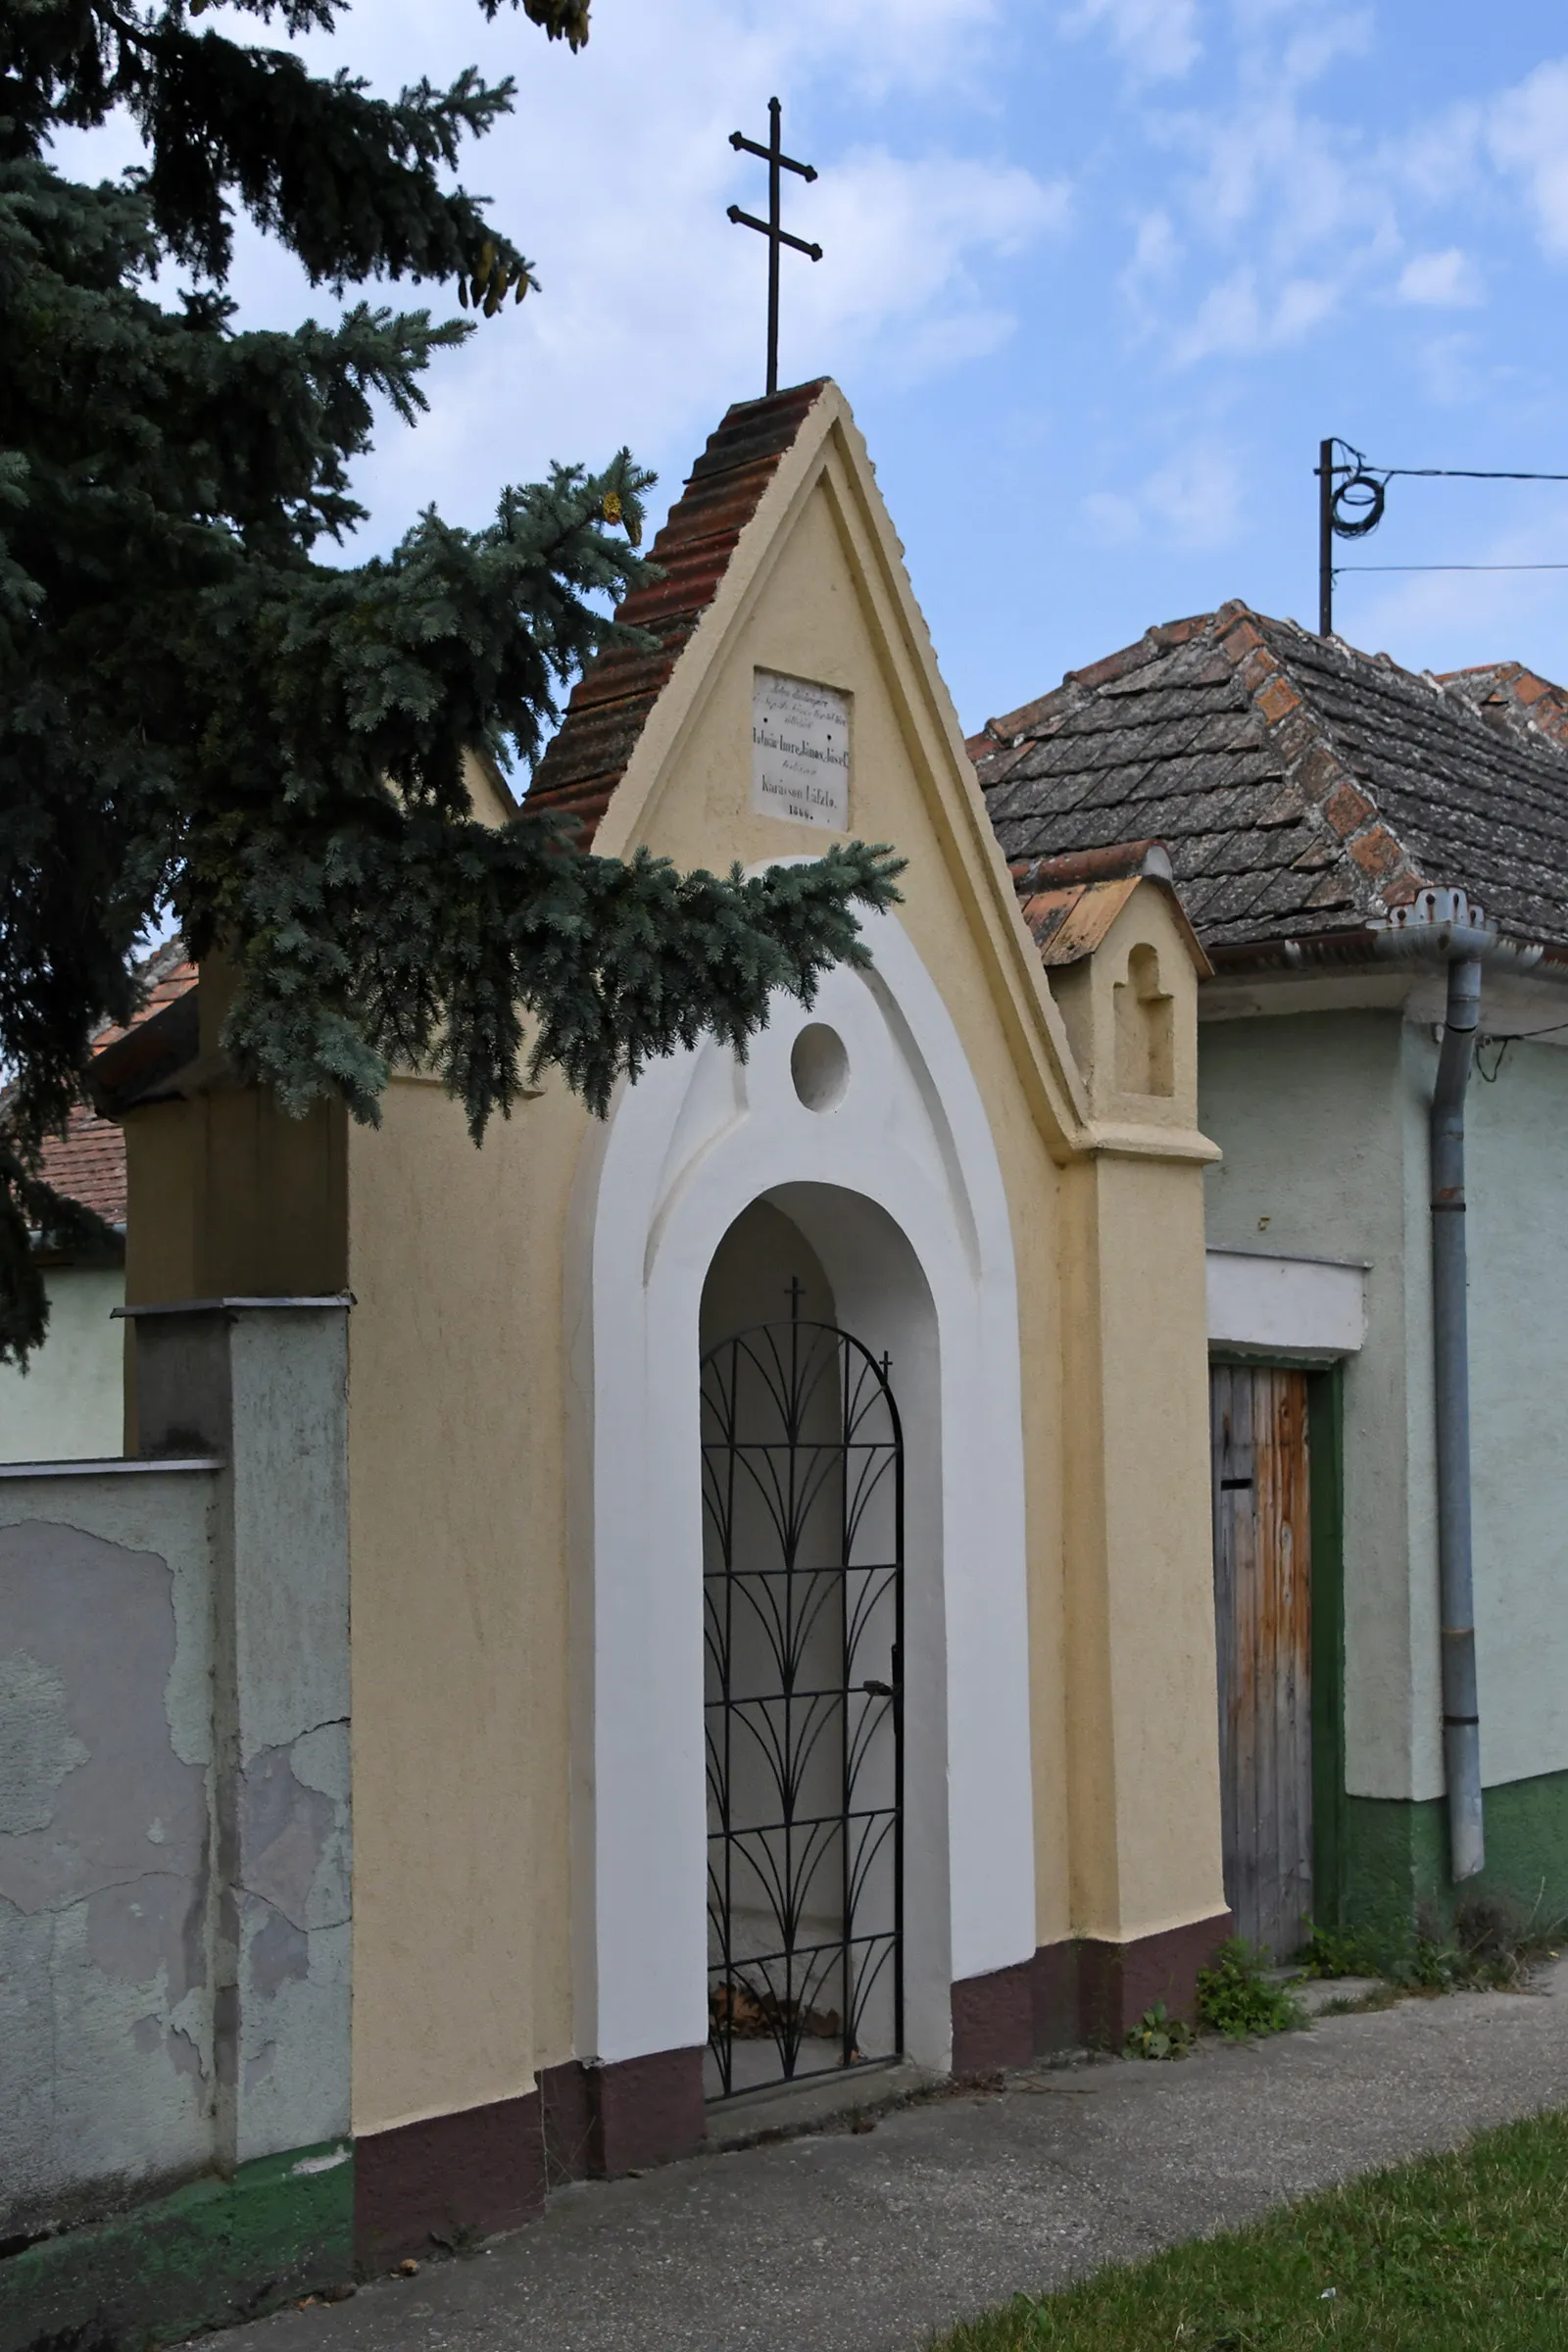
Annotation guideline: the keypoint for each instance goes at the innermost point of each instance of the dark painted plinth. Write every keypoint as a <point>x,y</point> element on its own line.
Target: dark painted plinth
<point>1057,2006</point>
<point>603,2119</point>
<point>646,2111</point>
<point>993,2019</point>
<point>1086,1990</point>
<point>568,2117</point>
<point>487,2167</point>
<point>448,2178</point>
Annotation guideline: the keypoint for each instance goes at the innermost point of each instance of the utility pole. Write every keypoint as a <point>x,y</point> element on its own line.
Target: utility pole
<point>1325,538</point>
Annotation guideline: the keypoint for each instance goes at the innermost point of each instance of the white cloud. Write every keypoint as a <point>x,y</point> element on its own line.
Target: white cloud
<point>1237,318</point>
<point>1198,498</point>
<point>891,44</point>
<point>1444,280</point>
<point>1528,136</point>
<point>901,298</point>
<point>1156,256</point>
<point>1435,162</point>
<point>1315,46</point>
<point>1158,38</point>
<point>1453,370</point>
<point>1280,210</point>
<point>613,173</point>
<point>1195,501</point>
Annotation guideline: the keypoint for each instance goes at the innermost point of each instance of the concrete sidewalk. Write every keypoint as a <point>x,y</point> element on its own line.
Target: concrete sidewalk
<point>873,2241</point>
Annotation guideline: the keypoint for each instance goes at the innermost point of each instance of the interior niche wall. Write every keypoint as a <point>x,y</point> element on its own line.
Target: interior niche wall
<point>1144,1028</point>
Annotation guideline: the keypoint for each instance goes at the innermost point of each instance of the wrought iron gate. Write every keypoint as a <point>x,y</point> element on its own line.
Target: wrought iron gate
<point>803,1581</point>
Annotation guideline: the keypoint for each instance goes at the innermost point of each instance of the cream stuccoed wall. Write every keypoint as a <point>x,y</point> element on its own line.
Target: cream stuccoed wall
<point>460,1604</point>
<point>459,1422</point>
<point>462,1403</point>
<point>68,1406</point>
<point>1141,1759</point>
<point>821,607</point>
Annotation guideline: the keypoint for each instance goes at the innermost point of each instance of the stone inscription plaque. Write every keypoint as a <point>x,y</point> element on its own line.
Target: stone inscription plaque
<point>801,751</point>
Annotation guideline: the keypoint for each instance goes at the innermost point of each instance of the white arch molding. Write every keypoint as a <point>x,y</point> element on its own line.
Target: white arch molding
<point>897,1187</point>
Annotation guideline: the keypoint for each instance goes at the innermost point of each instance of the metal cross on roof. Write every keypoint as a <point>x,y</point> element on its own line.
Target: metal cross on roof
<point>776,161</point>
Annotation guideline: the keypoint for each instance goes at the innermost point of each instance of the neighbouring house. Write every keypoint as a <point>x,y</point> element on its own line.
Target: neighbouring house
<point>740,1570</point>
<point>70,1404</point>
<point>1350,841</point>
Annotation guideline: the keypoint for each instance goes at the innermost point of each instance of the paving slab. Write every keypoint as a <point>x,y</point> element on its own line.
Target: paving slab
<point>858,2240</point>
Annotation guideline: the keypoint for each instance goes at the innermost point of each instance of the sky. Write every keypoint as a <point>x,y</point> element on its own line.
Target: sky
<point>1098,277</point>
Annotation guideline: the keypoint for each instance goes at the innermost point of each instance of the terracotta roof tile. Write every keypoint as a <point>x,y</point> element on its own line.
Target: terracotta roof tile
<point>1070,903</point>
<point>1300,786</point>
<point>87,1164</point>
<point>612,700</point>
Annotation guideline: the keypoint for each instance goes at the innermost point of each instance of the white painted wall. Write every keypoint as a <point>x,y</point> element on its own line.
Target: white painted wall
<point>1322,1118</point>
<point>1298,1310</point>
<point>70,1405</point>
<point>896,1186</point>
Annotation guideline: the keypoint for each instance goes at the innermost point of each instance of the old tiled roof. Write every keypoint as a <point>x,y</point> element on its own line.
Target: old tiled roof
<point>1509,695</point>
<point>1300,786</point>
<point>612,700</point>
<point>87,1164</point>
<point>1069,904</point>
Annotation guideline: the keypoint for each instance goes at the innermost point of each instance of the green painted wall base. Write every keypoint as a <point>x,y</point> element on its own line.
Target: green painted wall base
<point>211,2253</point>
<point>1394,1859</point>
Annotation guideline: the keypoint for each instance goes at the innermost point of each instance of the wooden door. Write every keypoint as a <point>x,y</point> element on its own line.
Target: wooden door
<point>1263,1625</point>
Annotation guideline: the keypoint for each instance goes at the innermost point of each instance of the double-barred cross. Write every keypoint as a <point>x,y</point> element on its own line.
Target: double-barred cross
<point>773,228</point>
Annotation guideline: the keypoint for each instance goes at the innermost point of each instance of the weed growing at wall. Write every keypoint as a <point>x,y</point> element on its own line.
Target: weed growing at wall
<point>1330,1953</point>
<point>1158,2035</point>
<point>1236,1998</point>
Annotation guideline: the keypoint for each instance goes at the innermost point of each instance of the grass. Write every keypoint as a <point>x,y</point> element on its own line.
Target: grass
<point>1459,2253</point>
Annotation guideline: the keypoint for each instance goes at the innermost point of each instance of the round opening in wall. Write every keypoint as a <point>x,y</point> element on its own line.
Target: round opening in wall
<point>819,1066</point>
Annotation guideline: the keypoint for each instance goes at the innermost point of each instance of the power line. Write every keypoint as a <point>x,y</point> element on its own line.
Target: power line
<point>1353,493</point>
<point>1341,567</point>
<point>1453,473</point>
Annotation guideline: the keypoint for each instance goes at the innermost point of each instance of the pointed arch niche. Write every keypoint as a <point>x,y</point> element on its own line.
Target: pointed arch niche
<point>858,1122</point>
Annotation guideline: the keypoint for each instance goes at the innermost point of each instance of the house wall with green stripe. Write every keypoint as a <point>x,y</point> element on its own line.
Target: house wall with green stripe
<point>1322,1118</point>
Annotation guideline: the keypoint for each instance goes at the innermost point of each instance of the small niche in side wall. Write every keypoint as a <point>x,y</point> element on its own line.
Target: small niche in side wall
<point>1144,1028</point>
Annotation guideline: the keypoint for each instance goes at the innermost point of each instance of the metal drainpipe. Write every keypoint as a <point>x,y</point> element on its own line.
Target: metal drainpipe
<point>1442,927</point>
<point>1451,1345</point>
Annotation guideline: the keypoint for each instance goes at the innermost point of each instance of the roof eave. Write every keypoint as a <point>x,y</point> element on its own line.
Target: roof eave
<point>1370,949</point>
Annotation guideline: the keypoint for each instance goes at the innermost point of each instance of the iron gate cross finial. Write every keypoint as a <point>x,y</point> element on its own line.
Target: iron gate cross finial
<point>776,161</point>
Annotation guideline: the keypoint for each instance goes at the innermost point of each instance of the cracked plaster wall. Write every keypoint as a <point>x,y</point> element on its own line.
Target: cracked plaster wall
<point>281,1377</point>
<point>175,1816</point>
<point>106,1754</point>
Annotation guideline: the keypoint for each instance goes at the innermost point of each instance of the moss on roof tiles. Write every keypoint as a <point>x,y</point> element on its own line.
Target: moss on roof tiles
<point>1228,736</point>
